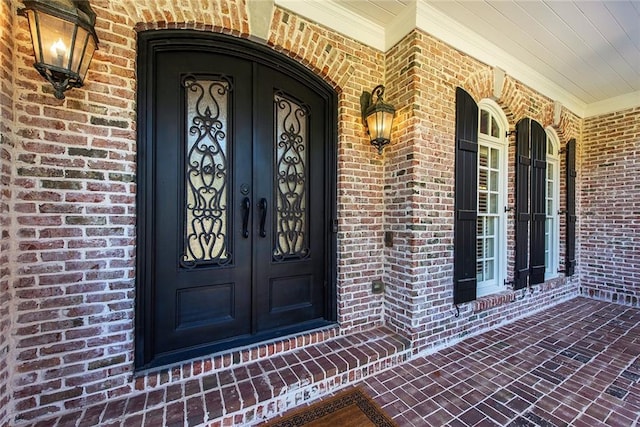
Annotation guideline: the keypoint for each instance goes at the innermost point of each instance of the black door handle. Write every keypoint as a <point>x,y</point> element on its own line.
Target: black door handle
<point>263,218</point>
<point>246,207</point>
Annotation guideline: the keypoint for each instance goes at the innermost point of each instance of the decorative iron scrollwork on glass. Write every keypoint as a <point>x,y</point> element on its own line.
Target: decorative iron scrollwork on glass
<point>291,212</point>
<point>207,220</point>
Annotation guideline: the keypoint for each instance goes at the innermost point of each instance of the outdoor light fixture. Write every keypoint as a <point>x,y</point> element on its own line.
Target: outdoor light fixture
<point>64,39</point>
<point>377,117</point>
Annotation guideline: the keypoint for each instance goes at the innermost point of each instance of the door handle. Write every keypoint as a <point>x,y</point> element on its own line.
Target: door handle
<point>263,216</point>
<point>246,207</point>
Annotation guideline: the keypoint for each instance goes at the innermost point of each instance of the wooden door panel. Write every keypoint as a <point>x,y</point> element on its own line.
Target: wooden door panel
<point>205,305</point>
<point>290,260</point>
<point>290,293</point>
<point>202,295</point>
<point>210,162</point>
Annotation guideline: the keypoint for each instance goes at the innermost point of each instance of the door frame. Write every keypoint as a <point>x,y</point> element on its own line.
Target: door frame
<point>149,44</point>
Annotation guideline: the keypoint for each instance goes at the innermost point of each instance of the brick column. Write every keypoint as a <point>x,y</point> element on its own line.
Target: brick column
<point>609,213</point>
<point>7,153</point>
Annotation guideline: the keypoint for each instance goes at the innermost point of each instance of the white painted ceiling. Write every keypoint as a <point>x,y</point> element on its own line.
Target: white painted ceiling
<point>584,54</point>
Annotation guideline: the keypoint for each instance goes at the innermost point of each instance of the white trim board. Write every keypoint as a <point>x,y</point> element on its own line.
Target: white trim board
<point>419,14</point>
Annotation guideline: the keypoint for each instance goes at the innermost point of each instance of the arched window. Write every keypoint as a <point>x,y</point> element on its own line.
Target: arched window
<point>491,259</point>
<point>552,224</point>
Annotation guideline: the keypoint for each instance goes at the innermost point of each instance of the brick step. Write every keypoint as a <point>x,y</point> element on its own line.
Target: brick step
<point>249,393</point>
<point>287,381</point>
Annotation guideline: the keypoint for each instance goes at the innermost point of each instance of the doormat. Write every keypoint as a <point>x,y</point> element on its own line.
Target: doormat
<point>351,408</point>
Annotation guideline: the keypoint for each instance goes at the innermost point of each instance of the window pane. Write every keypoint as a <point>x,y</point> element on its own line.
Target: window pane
<point>495,129</point>
<point>482,202</point>
<point>494,158</point>
<point>479,249</point>
<point>493,181</point>
<point>479,275</point>
<point>482,180</point>
<point>493,203</point>
<point>290,150</point>
<point>206,214</point>
<point>489,248</point>
<point>489,270</point>
<point>491,227</point>
<point>484,122</point>
<point>483,154</point>
<point>547,261</point>
<point>547,231</point>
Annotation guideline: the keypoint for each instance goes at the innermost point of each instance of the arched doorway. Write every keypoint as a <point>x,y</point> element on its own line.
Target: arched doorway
<point>236,196</point>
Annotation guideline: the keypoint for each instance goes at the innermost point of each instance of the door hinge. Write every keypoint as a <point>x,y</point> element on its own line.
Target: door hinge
<point>334,225</point>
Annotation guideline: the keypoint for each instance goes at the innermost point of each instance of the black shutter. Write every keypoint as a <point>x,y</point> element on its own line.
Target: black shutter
<point>466,195</point>
<point>538,202</point>
<point>570,253</point>
<point>522,204</point>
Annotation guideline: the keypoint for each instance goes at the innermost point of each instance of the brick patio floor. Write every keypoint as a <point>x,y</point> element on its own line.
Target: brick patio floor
<point>574,364</point>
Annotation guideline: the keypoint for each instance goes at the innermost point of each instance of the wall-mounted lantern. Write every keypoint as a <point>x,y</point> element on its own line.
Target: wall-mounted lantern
<point>64,39</point>
<point>377,117</point>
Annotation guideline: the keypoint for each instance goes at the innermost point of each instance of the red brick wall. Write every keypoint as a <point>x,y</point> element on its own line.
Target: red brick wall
<point>73,194</point>
<point>74,209</point>
<point>422,75</point>
<point>75,200</point>
<point>609,220</point>
<point>7,19</point>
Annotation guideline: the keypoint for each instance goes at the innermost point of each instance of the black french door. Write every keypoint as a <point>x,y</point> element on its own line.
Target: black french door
<point>237,192</point>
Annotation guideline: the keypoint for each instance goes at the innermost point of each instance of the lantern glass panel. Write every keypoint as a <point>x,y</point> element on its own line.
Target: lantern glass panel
<point>88,54</point>
<point>379,123</point>
<point>78,47</point>
<point>372,124</point>
<point>35,36</point>
<point>387,118</point>
<point>56,37</point>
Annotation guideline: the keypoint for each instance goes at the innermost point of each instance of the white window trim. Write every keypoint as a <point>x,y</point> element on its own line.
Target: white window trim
<point>501,143</point>
<point>554,159</point>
